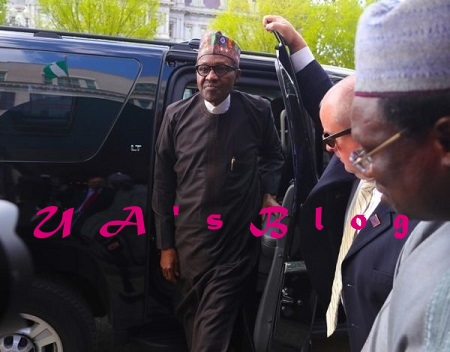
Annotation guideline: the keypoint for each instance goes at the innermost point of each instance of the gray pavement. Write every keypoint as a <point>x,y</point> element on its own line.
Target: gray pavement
<point>104,339</point>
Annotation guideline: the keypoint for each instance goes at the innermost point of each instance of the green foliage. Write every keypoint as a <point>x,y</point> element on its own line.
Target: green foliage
<point>2,11</point>
<point>328,26</point>
<point>126,18</point>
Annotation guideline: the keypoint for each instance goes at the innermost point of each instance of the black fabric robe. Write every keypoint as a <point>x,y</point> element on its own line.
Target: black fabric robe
<point>214,164</point>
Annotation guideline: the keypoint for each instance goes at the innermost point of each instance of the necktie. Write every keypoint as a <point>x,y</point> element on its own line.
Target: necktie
<point>89,200</point>
<point>360,205</point>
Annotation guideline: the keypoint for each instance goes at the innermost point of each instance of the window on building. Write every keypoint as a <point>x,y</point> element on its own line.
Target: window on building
<point>211,4</point>
<point>7,100</point>
<point>171,28</point>
<point>188,32</point>
<point>73,82</point>
<point>145,88</point>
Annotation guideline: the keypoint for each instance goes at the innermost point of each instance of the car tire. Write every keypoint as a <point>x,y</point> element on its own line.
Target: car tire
<point>57,319</point>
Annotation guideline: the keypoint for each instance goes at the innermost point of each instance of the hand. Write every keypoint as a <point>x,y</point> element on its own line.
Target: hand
<point>293,39</point>
<point>169,264</point>
<point>269,200</point>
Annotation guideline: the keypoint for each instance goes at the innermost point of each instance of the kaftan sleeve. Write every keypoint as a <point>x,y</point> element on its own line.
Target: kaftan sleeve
<point>271,158</point>
<point>165,184</point>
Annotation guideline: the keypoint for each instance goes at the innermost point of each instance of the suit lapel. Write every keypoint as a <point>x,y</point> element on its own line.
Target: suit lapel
<point>377,223</point>
<point>354,188</point>
<point>334,174</point>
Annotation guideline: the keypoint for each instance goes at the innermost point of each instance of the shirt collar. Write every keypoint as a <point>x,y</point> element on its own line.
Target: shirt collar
<point>219,109</point>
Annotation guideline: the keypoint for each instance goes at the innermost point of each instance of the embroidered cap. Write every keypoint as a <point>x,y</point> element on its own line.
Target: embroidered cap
<point>403,47</point>
<point>215,43</point>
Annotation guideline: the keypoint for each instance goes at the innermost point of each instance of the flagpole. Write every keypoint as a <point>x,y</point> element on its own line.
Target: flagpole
<point>67,66</point>
<point>68,75</point>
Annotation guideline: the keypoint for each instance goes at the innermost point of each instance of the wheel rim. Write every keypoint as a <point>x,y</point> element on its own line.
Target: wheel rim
<point>37,336</point>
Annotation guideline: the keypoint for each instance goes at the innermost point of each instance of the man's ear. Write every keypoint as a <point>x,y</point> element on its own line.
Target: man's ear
<point>238,75</point>
<point>442,128</point>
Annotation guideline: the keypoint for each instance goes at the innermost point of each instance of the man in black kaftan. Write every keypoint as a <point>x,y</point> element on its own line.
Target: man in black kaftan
<point>219,160</point>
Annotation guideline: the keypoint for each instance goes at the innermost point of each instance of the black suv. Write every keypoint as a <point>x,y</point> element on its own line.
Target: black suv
<point>79,111</point>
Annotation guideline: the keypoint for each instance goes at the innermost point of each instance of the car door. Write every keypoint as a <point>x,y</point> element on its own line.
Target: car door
<point>286,311</point>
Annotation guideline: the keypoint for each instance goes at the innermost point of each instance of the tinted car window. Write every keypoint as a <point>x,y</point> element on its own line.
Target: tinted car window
<point>56,107</point>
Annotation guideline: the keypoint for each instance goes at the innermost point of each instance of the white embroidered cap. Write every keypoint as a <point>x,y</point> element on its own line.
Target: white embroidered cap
<point>403,47</point>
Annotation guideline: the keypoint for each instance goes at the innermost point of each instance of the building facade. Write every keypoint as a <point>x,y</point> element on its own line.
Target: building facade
<point>180,19</point>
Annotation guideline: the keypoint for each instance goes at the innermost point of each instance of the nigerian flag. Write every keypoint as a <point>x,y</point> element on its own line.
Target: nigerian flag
<point>56,69</point>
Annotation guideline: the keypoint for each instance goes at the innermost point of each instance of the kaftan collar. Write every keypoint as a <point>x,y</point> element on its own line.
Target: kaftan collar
<point>219,109</point>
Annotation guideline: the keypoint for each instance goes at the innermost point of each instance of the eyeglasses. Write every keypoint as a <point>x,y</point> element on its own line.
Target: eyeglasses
<point>330,139</point>
<point>219,70</point>
<point>363,160</point>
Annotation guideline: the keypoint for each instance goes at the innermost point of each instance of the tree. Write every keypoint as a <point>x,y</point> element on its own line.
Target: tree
<point>2,11</point>
<point>126,18</point>
<point>328,26</point>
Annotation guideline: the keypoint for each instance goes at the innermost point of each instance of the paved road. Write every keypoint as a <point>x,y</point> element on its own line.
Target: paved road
<point>104,339</point>
<point>104,330</point>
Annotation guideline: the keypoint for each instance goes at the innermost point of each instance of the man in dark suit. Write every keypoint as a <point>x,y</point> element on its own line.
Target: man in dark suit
<point>87,200</point>
<point>368,264</point>
<point>97,197</point>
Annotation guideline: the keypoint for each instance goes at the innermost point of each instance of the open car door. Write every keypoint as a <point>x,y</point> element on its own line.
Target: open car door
<point>287,307</point>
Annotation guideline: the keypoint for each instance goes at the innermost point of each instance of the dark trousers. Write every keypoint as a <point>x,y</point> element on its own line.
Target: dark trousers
<point>214,310</point>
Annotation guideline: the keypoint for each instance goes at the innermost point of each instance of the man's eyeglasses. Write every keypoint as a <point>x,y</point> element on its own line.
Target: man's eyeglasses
<point>363,160</point>
<point>330,139</point>
<point>219,70</point>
